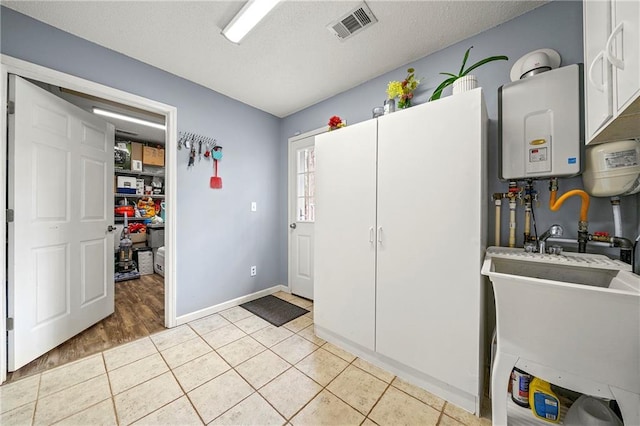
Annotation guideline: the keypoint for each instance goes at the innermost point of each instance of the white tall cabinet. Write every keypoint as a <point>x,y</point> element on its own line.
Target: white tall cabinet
<point>345,228</point>
<point>400,226</point>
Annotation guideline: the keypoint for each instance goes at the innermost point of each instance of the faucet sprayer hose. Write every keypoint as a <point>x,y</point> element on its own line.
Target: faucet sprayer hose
<point>555,205</point>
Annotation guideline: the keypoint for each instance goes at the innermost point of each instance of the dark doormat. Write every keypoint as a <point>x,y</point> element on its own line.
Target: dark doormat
<point>275,310</point>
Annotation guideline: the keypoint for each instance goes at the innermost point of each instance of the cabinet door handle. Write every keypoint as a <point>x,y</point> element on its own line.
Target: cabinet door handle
<point>371,234</point>
<point>615,61</point>
<point>380,234</point>
<point>599,58</point>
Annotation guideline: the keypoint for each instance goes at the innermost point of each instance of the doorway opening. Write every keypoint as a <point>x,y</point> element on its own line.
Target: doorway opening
<point>144,304</point>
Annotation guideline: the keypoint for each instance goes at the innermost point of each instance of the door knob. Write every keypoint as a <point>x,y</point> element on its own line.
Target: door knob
<point>111,228</point>
<point>293,225</point>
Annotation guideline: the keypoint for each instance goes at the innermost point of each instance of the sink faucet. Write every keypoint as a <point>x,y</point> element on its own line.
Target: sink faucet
<point>554,231</point>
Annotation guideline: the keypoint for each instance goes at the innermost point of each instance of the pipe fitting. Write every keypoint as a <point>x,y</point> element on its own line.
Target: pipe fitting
<point>583,236</point>
<point>623,243</point>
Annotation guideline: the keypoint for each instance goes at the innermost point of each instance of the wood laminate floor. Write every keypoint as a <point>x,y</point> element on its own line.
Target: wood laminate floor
<point>139,312</point>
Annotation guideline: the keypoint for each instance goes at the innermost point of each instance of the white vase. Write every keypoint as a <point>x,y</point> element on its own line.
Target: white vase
<point>464,84</point>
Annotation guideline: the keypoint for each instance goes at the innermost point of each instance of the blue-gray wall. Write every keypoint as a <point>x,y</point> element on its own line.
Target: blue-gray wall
<point>557,25</point>
<point>218,238</point>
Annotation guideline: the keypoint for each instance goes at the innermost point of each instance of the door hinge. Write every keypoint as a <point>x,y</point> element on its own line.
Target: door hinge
<point>9,324</point>
<point>11,107</point>
<point>10,215</point>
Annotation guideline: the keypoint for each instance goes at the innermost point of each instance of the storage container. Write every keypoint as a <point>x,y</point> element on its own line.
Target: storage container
<point>158,264</point>
<point>126,184</point>
<point>155,236</point>
<point>145,262</point>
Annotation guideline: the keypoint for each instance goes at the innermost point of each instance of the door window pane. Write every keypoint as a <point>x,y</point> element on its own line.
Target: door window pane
<point>305,185</point>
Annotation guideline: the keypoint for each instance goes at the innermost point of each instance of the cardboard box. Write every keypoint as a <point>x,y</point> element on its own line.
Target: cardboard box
<point>152,156</point>
<point>138,237</point>
<point>136,151</point>
<point>136,165</point>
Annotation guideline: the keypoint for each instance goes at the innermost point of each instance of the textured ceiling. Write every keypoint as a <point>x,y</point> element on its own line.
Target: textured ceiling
<point>290,60</point>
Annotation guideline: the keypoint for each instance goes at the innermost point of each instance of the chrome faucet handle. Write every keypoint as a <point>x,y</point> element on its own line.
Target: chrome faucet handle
<point>557,250</point>
<point>554,230</point>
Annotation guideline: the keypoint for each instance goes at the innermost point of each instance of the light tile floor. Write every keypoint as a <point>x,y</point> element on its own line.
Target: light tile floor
<point>230,368</point>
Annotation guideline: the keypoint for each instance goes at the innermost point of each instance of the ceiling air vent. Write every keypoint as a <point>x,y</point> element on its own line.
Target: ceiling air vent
<point>353,22</point>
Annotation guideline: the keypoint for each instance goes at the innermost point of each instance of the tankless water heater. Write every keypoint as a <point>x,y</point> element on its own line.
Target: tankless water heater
<point>541,125</point>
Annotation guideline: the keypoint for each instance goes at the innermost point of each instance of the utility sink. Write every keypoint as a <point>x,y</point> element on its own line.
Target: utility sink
<point>571,319</point>
<point>575,268</point>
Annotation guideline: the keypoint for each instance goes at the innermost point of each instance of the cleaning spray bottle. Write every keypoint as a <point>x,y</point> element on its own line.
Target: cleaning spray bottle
<point>544,403</point>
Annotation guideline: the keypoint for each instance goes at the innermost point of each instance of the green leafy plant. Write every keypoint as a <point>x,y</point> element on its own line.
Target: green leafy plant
<point>453,77</point>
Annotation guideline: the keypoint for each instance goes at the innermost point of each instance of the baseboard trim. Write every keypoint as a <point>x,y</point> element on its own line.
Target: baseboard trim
<point>183,319</point>
<point>450,393</point>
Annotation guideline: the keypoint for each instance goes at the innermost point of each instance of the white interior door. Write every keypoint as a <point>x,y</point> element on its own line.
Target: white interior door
<point>60,250</point>
<point>301,215</point>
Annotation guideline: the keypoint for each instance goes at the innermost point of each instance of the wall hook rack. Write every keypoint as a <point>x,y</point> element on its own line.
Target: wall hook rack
<point>197,146</point>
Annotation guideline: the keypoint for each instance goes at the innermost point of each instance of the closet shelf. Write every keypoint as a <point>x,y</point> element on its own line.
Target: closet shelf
<point>120,219</point>
<point>137,173</point>
<point>159,196</point>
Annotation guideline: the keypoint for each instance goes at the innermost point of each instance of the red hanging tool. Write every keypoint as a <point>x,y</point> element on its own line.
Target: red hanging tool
<point>215,182</point>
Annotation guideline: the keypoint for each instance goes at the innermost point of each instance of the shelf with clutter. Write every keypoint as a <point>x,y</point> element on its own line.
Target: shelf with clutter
<point>138,238</point>
<point>139,168</point>
<point>139,207</point>
<point>143,208</point>
<point>532,401</point>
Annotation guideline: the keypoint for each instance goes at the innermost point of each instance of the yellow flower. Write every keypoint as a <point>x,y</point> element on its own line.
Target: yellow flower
<point>394,89</point>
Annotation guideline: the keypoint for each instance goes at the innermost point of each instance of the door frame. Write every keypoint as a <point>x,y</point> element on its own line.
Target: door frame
<point>290,182</point>
<point>11,65</point>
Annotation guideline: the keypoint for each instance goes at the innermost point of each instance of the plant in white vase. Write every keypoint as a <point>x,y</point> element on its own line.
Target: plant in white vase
<point>463,75</point>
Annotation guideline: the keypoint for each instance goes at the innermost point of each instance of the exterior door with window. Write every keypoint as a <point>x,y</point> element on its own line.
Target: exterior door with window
<point>301,215</point>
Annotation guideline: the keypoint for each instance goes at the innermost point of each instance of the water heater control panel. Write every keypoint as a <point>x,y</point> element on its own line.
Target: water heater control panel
<point>540,124</point>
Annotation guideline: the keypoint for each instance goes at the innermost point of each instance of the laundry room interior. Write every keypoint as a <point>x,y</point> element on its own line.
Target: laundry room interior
<point>437,203</point>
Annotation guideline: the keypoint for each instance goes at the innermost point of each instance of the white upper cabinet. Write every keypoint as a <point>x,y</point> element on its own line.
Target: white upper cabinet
<point>623,50</point>
<point>597,19</point>
<point>612,69</point>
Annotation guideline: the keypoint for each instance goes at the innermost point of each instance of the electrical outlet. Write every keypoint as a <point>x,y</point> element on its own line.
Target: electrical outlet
<point>253,271</point>
<point>254,206</point>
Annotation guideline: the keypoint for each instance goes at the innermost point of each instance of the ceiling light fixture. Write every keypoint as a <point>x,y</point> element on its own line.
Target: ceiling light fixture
<point>130,119</point>
<point>248,17</point>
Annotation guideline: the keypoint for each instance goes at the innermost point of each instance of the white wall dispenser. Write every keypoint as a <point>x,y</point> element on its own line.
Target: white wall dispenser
<point>541,124</point>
